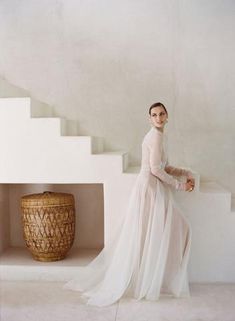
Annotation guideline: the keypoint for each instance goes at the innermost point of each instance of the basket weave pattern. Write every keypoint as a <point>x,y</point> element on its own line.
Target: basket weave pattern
<point>48,224</point>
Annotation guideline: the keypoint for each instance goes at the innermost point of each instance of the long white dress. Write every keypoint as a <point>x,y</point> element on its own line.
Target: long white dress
<point>149,254</point>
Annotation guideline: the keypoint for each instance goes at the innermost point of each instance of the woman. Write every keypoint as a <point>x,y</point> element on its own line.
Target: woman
<point>149,254</point>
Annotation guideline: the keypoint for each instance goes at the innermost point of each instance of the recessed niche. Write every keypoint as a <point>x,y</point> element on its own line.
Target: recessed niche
<point>89,204</point>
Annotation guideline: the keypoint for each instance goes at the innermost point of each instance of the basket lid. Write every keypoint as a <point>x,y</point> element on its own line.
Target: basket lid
<point>47,198</point>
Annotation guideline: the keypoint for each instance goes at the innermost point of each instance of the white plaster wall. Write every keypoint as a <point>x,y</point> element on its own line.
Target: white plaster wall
<point>102,63</point>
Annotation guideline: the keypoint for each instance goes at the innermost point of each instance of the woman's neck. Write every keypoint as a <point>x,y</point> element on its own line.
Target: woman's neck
<point>159,129</point>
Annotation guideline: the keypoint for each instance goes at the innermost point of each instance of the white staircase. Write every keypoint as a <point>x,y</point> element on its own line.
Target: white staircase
<point>36,150</point>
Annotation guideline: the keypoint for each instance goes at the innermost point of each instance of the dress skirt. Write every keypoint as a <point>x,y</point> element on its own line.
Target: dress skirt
<point>149,254</point>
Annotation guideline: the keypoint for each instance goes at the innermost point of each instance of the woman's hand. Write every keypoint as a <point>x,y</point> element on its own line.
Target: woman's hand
<point>189,185</point>
<point>192,180</point>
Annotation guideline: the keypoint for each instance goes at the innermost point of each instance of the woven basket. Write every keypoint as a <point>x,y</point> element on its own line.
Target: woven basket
<point>48,224</point>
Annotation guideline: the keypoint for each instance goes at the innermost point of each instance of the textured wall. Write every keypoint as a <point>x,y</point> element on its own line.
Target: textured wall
<point>102,63</point>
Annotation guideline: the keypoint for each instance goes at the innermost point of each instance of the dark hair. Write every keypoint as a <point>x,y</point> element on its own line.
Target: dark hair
<point>157,105</point>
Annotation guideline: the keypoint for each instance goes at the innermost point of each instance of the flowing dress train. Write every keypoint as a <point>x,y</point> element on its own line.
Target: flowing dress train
<point>149,254</point>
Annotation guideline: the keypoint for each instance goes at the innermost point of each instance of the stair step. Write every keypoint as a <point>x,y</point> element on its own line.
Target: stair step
<point>19,107</point>
<point>97,145</point>
<point>90,144</point>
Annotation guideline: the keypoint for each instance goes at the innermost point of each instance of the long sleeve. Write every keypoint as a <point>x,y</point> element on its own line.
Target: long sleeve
<point>155,146</point>
<point>178,171</point>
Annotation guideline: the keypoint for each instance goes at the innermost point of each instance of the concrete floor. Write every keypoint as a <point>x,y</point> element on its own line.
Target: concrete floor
<point>47,301</point>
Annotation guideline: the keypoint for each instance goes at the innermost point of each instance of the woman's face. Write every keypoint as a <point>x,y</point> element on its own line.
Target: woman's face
<point>158,117</point>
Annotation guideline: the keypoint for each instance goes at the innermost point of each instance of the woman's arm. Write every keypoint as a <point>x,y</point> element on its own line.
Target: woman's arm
<point>178,171</point>
<point>155,149</point>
